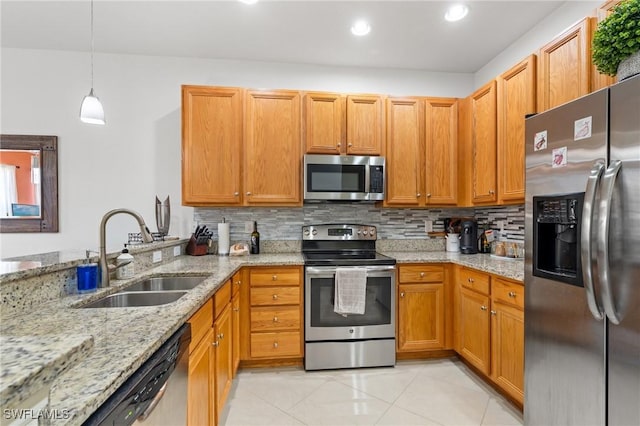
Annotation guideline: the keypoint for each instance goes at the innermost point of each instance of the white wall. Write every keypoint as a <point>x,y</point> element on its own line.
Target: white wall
<point>562,18</point>
<point>136,156</point>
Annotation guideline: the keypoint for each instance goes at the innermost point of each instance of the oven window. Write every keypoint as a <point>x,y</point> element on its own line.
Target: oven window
<point>377,307</point>
<point>335,178</point>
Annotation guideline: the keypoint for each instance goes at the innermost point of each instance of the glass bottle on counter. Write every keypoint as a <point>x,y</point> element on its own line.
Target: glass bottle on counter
<point>255,240</point>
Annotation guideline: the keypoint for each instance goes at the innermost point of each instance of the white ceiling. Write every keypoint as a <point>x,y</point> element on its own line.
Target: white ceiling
<point>405,34</point>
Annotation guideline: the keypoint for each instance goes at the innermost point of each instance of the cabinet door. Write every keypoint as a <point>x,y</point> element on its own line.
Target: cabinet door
<point>404,155</point>
<point>516,98</point>
<point>465,151</point>
<point>200,384</point>
<point>483,103</point>
<point>474,329</point>
<point>564,67</point>
<point>507,349</point>
<point>600,81</point>
<point>441,154</point>
<point>324,119</point>
<point>235,334</point>
<point>223,367</point>
<point>365,125</point>
<point>211,145</point>
<point>420,317</point>
<point>272,148</point>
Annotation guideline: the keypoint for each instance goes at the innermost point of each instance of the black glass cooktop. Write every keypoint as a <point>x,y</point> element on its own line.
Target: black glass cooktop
<point>346,258</point>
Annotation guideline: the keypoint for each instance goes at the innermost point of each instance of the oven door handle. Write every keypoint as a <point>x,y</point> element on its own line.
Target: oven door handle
<point>317,270</point>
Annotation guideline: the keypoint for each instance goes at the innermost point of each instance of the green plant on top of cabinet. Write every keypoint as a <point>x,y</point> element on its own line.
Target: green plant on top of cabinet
<point>272,152</point>
<point>516,99</point>
<point>211,145</point>
<point>600,80</point>
<point>483,136</point>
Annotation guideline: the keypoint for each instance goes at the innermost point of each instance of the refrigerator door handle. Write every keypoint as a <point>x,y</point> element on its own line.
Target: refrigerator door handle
<point>585,238</point>
<point>608,184</point>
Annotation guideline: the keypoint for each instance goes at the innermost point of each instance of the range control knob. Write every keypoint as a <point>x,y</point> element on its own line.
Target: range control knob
<point>365,232</point>
<point>372,231</point>
<point>306,232</point>
<point>314,232</point>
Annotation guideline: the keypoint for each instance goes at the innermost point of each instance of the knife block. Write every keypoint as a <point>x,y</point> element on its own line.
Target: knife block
<point>195,249</point>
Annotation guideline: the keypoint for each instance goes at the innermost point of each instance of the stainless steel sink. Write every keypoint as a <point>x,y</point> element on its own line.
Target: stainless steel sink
<point>169,283</point>
<point>143,298</point>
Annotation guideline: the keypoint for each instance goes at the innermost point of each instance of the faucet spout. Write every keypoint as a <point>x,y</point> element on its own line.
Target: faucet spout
<point>144,230</point>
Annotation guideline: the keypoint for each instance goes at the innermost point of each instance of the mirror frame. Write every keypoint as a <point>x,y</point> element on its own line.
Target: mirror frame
<point>48,147</point>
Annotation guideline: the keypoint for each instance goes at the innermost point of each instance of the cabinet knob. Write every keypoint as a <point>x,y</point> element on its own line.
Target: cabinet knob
<point>221,336</point>
<point>236,193</point>
<point>428,195</point>
<point>215,344</point>
<point>491,191</point>
<point>238,282</point>
<point>248,193</point>
<point>236,309</point>
<point>274,278</point>
<point>493,312</point>
<point>275,345</point>
<point>512,294</point>
<point>470,280</point>
<point>421,274</point>
<point>349,144</point>
<point>275,297</point>
<point>338,144</point>
<point>402,294</point>
<point>418,195</point>
<point>275,319</point>
<point>483,308</point>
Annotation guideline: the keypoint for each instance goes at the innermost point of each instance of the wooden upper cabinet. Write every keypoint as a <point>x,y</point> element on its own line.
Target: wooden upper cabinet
<point>564,67</point>
<point>324,123</point>
<point>600,81</point>
<point>483,165</point>
<point>365,125</point>
<point>404,154</point>
<point>465,151</point>
<point>272,148</point>
<point>441,151</point>
<point>211,145</point>
<point>516,99</point>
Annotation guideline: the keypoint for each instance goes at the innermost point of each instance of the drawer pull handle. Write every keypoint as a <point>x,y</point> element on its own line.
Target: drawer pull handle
<point>275,345</point>
<point>493,312</point>
<point>512,294</point>
<point>421,274</point>
<point>275,319</point>
<point>275,297</point>
<point>274,278</point>
<point>483,308</point>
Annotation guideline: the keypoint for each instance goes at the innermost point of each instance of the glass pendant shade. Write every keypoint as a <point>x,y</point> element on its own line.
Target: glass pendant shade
<point>91,110</point>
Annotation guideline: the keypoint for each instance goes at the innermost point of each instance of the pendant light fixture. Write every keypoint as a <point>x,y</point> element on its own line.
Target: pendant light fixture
<point>91,110</point>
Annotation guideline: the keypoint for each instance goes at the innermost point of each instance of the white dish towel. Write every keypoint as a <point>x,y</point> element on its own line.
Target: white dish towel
<point>351,290</point>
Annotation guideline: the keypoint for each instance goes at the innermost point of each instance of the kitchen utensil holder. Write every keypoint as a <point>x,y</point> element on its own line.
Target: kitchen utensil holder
<point>195,249</point>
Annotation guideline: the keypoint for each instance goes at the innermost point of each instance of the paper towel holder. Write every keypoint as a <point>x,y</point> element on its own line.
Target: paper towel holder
<point>223,238</point>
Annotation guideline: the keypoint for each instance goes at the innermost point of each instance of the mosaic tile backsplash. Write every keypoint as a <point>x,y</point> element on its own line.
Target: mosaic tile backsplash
<point>285,223</point>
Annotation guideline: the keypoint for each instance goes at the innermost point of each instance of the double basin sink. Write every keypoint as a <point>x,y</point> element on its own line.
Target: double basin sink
<point>149,292</point>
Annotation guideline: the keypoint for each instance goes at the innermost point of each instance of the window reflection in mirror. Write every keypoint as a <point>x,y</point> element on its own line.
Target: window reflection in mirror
<point>28,183</point>
<point>20,183</point>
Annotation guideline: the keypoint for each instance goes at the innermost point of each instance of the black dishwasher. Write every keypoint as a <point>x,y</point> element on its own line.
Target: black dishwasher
<point>160,382</point>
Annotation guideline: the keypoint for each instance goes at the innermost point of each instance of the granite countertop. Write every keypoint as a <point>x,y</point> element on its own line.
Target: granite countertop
<point>506,267</point>
<point>124,338</point>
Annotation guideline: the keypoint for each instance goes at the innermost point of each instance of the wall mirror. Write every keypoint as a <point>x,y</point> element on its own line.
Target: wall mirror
<point>28,183</point>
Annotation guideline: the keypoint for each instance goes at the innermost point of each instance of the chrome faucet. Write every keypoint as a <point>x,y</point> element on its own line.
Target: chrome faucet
<point>105,268</point>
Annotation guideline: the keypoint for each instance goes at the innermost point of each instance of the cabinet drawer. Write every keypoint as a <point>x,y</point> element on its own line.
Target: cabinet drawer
<point>474,280</point>
<point>221,298</point>
<point>421,273</point>
<point>508,292</point>
<point>201,323</point>
<point>273,319</point>
<point>271,296</point>
<point>274,345</point>
<point>274,276</point>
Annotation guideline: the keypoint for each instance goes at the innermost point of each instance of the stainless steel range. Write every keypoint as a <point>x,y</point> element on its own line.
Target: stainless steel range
<point>335,340</point>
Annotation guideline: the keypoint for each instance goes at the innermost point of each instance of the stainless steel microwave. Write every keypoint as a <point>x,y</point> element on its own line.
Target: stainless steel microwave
<point>343,178</point>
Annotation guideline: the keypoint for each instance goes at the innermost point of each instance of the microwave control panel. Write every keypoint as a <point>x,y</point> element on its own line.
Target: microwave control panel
<point>376,178</point>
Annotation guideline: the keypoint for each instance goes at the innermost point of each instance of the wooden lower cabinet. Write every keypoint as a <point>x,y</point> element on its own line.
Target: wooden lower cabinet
<point>421,317</point>
<point>201,379</point>
<point>223,358</point>
<point>235,334</point>
<point>474,329</point>
<point>507,349</point>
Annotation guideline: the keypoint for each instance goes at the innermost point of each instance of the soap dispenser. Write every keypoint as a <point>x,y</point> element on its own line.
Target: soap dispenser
<point>124,264</point>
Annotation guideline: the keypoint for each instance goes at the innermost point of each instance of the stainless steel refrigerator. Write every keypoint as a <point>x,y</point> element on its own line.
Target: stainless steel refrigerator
<point>582,261</point>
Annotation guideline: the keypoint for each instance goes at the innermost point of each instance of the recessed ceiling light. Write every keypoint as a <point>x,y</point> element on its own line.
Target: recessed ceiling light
<point>248,1</point>
<point>360,28</point>
<point>456,12</point>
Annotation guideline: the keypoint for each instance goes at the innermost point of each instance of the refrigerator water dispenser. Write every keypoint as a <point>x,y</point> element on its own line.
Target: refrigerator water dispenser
<point>556,237</point>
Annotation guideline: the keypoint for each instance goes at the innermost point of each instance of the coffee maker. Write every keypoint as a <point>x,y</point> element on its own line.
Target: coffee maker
<point>468,236</point>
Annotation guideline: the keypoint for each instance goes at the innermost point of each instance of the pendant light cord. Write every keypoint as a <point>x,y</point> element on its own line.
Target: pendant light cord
<point>92,45</point>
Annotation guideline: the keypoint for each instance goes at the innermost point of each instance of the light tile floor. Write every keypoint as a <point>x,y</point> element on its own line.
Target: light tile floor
<point>433,392</point>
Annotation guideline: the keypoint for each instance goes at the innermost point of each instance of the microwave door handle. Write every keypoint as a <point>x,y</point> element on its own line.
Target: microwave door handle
<point>608,184</point>
<point>585,238</point>
<point>367,180</point>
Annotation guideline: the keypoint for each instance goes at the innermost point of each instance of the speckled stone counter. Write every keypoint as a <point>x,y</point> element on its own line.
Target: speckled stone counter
<point>30,363</point>
<point>506,267</point>
<point>124,338</point>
